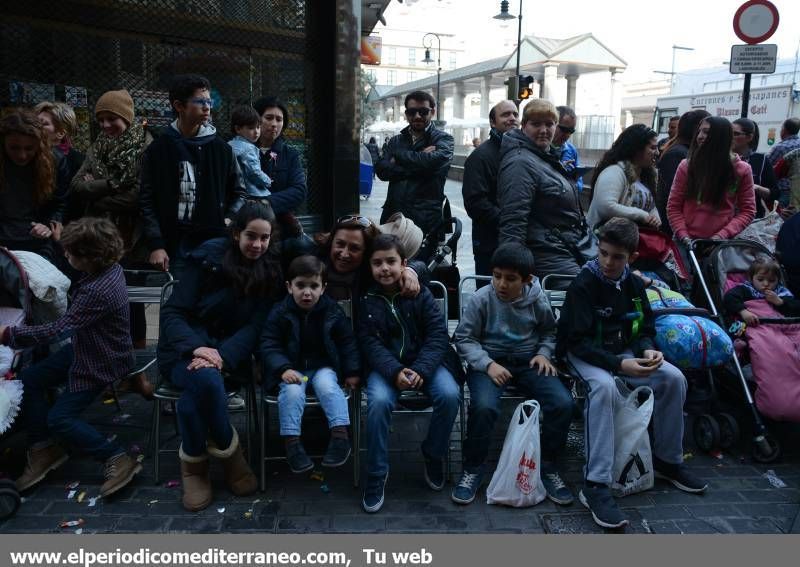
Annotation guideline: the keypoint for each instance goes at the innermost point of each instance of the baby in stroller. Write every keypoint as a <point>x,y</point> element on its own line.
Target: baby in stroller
<point>772,337</point>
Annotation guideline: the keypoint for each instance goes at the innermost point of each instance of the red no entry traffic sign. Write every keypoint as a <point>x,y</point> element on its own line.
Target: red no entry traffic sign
<point>755,21</point>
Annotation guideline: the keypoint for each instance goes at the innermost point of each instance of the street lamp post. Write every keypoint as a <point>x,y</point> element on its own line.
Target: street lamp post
<point>428,37</point>
<point>671,73</point>
<point>504,15</point>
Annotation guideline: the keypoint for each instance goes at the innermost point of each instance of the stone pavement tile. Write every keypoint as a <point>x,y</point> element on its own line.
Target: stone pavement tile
<point>581,522</point>
<point>439,523</point>
<point>303,524</point>
<point>664,512</point>
<point>782,514</point>
<point>135,524</point>
<point>663,527</point>
<point>196,524</point>
<point>525,521</point>
<point>675,496</point>
<point>708,510</point>
<point>755,526</point>
<point>23,523</point>
<point>359,523</point>
<point>772,495</point>
<point>30,506</point>
<point>241,523</point>
<point>695,527</point>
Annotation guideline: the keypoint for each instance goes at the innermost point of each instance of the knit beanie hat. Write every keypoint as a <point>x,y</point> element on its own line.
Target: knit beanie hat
<point>409,234</point>
<point>116,102</point>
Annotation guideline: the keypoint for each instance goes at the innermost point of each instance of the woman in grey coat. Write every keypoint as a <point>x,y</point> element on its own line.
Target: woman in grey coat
<point>539,205</point>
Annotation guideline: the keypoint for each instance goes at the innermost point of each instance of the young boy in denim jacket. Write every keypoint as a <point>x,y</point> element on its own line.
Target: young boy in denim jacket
<point>308,340</point>
<point>607,328</point>
<point>405,345</point>
<point>100,352</point>
<point>246,128</point>
<point>507,336</point>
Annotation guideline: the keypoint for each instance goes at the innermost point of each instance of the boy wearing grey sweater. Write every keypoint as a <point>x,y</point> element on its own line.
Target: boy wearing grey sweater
<point>507,336</point>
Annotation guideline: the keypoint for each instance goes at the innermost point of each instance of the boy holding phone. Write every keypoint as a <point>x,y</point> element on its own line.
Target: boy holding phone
<point>607,329</point>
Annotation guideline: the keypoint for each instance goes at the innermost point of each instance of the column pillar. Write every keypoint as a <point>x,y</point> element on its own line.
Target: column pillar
<point>571,89</point>
<point>381,106</point>
<point>397,110</point>
<point>486,87</point>
<point>550,76</point>
<point>615,104</point>
<point>458,112</point>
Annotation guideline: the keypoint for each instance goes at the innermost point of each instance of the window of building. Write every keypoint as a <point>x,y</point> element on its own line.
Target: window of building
<point>411,76</point>
<point>391,77</point>
<point>391,56</point>
<point>412,57</point>
<point>452,59</point>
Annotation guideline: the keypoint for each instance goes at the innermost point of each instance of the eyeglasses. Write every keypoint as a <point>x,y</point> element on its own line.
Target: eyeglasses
<point>354,220</point>
<point>566,129</point>
<point>740,134</point>
<point>421,110</point>
<point>202,102</point>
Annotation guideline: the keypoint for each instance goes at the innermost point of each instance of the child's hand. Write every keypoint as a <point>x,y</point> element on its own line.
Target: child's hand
<point>352,382</point>
<point>210,354</point>
<point>56,228</point>
<point>655,358</point>
<point>543,365</point>
<point>773,298</point>
<point>498,373</point>
<point>407,379</point>
<point>292,377</point>
<point>749,317</point>
<point>634,367</point>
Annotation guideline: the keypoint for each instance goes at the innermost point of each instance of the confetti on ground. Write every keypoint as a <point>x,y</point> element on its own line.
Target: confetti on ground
<point>73,485</point>
<point>173,483</point>
<point>248,515</point>
<point>79,531</point>
<point>316,475</point>
<point>152,502</point>
<point>111,437</point>
<point>773,479</point>
<point>120,418</point>
<point>108,401</point>
<point>646,526</point>
<point>71,494</point>
<point>716,453</point>
<point>324,488</point>
<point>81,496</point>
<point>687,456</point>
<point>71,523</point>
<point>135,449</point>
<point>221,510</point>
<point>93,501</point>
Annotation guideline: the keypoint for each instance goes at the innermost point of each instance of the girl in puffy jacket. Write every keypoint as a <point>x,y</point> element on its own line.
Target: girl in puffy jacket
<point>712,195</point>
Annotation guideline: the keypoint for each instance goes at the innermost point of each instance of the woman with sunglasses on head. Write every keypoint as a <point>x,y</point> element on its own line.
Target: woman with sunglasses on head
<point>712,195</point>
<point>624,181</point>
<point>745,143</point>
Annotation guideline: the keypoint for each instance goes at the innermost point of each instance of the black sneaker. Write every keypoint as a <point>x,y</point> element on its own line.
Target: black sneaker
<point>467,487</point>
<point>298,459</point>
<point>601,504</point>
<point>434,472</point>
<point>679,476</point>
<point>338,452</point>
<point>373,493</point>
<point>557,491</point>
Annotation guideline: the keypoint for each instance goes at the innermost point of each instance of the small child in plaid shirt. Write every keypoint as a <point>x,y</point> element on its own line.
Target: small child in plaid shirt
<point>100,351</point>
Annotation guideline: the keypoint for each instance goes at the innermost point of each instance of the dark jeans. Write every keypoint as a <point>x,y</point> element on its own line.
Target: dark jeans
<point>202,408</point>
<point>62,419</point>
<point>484,408</point>
<point>483,266</point>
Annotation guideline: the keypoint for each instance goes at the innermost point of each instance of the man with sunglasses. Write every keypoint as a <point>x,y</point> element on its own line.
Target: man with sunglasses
<point>415,164</point>
<point>561,144</point>
<point>190,182</point>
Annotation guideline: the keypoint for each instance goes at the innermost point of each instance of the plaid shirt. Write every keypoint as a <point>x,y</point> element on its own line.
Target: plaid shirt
<point>98,320</point>
<point>781,149</point>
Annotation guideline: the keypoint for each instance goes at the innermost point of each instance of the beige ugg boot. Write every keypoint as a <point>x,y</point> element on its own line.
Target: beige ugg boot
<point>239,477</point>
<point>196,481</point>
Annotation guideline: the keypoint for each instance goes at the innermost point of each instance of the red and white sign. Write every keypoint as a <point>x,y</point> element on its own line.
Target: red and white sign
<point>755,21</point>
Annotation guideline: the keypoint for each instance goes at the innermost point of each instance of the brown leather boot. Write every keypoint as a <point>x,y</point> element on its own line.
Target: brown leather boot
<point>40,461</point>
<point>196,481</point>
<point>142,386</point>
<point>239,477</point>
<point>119,471</point>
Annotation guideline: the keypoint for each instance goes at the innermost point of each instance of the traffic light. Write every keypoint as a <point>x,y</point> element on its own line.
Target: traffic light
<point>524,85</point>
<point>512,90</point>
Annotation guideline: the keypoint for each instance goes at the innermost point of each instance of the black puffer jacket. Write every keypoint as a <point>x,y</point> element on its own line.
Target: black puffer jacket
<point>416,179</point>
<point>480,193</point>
<point>535,197</point>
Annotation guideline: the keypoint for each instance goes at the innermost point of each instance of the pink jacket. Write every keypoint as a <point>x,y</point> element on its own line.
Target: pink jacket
<point>704,220</point>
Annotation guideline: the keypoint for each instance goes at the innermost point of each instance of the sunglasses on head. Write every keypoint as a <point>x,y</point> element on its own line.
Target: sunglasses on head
<point>357,220</point>
<point>421,110</point>
<point>566,129</point>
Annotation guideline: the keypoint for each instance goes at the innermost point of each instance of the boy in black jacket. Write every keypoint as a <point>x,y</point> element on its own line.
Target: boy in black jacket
<point>405,346</point>
<point>308,339</point>
<point>607,328</point>
<point>190,182</point>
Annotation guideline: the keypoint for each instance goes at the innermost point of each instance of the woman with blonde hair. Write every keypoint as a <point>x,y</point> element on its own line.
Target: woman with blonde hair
<point>59,121</point>
<point>539,203</point>
<point>32,186</point>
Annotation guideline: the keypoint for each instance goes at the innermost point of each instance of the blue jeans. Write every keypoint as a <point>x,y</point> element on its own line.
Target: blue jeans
<point>292,401</point>
<point>445,396</point>
<point>202,409</point>
<point>62,419</point>
<point>554,400</point>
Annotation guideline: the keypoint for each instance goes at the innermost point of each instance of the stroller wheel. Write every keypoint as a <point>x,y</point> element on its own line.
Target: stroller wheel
<point>728,430</point>
<point>9,501</point>
<point>706,432</point>
<point>766,450</point>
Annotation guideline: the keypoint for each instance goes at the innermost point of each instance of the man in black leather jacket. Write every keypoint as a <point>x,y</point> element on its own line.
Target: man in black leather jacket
<point>415,164</point>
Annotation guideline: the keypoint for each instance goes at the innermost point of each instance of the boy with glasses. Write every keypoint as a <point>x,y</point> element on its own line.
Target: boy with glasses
<point>191,182</point>
<point>563,147</point>
<point>415,164</point>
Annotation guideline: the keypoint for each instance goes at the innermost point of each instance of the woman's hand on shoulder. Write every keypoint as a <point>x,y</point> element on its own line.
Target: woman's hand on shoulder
<point>409,283</point>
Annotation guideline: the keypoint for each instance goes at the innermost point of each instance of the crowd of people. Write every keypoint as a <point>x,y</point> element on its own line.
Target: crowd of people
<point>218,216</point>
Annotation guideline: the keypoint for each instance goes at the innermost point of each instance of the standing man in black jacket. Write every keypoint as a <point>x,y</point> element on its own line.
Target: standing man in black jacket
<point>190,181</point>
<point>415,164</point>
<point>479,187</point>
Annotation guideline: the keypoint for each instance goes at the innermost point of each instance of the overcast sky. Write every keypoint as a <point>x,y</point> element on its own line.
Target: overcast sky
<point>641,32</point>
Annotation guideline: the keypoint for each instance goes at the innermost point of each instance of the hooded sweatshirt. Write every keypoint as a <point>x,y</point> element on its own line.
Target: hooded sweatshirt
<point>491,328</point>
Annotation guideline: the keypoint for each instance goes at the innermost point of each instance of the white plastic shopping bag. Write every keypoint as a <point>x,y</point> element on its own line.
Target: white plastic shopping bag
<point>633,459</point>
<point>517,481</point>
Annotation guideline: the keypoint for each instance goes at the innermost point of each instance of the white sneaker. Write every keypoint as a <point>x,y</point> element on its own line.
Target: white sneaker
<point>236,403</point>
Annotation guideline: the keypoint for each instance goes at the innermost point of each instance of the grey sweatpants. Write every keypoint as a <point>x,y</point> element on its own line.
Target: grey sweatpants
<point>669,389</point>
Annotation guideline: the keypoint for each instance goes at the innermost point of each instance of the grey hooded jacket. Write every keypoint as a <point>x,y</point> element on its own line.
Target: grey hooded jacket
<point>535,197</point>
<point>491,329</point>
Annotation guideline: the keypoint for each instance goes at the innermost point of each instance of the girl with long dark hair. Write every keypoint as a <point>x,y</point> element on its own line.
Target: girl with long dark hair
<point>712,195</point>
<point>210,327</point>
<point>745,143</point>
<point>624,183</point>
